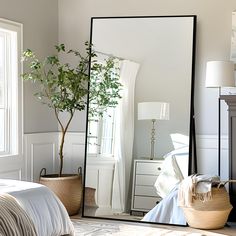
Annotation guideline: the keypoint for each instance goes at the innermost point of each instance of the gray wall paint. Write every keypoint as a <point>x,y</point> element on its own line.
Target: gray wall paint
<point>150,43</point>
<point>213,37</point>
<point>40,20</point>
<point>73,33</point>
<point>40,33</point>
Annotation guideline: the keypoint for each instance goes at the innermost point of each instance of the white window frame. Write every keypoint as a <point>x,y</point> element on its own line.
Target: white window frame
<point>14,86</point>
<point>100,124</point>
<point>100,137</point>
<point>112,138</point>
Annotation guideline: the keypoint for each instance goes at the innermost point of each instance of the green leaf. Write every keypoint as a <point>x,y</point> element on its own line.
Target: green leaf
<point>63,86</point>
<point>60,47</point>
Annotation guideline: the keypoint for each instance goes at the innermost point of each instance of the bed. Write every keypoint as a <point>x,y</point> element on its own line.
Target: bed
<point>167,211</point>
<point>175,169</point>
<point>47,213</point>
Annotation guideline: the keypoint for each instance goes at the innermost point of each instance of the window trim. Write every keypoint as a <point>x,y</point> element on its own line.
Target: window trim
<point>16,148</point>
<point>100,137</point>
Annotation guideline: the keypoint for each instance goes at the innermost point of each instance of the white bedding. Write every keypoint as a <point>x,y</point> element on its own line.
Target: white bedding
<point>175,167</point>
<point>167,211</point>
<point>45,209</point>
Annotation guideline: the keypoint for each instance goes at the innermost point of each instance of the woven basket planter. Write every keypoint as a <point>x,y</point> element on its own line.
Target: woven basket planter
<point>212,214</point>
<point>68,189</point>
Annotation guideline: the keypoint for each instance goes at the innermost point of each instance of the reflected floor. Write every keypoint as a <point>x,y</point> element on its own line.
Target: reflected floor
<point>123,216</point>
<point>97,212</point>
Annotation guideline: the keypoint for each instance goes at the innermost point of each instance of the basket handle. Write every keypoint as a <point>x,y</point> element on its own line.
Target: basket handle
<point>223,183</point>
<point>41,172</point>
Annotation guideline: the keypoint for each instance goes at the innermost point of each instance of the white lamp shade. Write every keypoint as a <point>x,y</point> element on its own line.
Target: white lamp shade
<point>220,74</point>
<point>153,111</point>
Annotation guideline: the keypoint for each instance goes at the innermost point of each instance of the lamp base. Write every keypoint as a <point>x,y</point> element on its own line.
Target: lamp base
<point>148,158</point>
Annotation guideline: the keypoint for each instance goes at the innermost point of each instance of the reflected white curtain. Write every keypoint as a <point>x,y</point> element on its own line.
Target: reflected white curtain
<point>124,136</point>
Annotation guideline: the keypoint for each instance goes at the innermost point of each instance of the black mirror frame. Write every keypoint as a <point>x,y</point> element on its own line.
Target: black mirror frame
<point>192,167</point>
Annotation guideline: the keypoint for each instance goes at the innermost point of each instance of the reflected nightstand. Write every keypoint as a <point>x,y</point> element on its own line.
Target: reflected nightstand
<point>144,196</point>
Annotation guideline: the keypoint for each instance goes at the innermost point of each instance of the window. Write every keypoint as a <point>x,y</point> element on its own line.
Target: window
<point>104,97</point>
<point>10,87</point>
<point>101,134</point>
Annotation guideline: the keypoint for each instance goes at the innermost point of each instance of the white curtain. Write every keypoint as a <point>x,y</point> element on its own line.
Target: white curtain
<point>124,136</point>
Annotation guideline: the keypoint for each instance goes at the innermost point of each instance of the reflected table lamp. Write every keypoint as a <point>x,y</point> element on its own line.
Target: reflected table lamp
<point>153,111</point>
<point>219,74</point>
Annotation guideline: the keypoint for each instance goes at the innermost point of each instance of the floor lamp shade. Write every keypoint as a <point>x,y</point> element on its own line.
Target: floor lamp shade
<point>153,111</point>
<point>220,74</point>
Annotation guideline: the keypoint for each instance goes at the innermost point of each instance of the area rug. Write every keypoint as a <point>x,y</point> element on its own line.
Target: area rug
<point>102,228</point>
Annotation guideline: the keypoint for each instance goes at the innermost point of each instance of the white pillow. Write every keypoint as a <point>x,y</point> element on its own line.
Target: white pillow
<point>182,158</point>
<point>169,177</point>
<point>182,161</point>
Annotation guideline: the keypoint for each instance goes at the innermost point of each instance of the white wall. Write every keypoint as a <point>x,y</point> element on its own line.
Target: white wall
<point>40,20</point>
<point>41,151</point>
<point>161,71</point>
<point>99,173</point>
<point>213,42</point>
<point>213,36</point>
<point>40,33</point>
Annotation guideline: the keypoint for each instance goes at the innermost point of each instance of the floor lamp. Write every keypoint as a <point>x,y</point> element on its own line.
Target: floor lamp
<point>219,74</point>
<point>153,111</point>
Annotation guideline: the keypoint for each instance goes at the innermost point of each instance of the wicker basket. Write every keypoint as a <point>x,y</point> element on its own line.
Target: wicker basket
<point>89,199</point>
<point>90,206</point>
<point>212,214</point>
<point>68,189</point>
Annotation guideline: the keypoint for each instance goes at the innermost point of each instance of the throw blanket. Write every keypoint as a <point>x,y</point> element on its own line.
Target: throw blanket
<point>196,187</point>
<point>13,219</point>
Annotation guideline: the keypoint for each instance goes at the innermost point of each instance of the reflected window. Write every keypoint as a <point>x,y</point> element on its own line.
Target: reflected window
<point>101,133</point>
<point>105,90</point>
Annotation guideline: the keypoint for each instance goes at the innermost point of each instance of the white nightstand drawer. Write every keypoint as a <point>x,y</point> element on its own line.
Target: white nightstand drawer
<point>144,196</point>
<point>145,191</point>
<point>148,180</point>
<point>148,168</point>
<point>144,203</point>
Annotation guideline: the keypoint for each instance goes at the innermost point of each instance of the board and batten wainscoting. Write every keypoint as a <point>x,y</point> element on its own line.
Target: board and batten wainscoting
<point>207,155</point>
<point>12,174</point>
<point>40,150</point>
<point>99,175</point>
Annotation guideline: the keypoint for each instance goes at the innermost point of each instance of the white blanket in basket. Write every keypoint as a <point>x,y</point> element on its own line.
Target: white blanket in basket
<point>196,187</point>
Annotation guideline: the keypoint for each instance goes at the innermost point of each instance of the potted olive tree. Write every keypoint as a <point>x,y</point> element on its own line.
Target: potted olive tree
<point>64,88</point>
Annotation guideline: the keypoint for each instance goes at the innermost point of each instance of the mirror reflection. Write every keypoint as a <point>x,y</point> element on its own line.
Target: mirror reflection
<point>138,145</point>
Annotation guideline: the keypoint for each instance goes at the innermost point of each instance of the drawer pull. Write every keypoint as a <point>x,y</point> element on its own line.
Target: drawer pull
<point>159,168</point>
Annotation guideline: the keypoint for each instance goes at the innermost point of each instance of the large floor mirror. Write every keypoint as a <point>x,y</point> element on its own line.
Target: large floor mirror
<point>139,149</point>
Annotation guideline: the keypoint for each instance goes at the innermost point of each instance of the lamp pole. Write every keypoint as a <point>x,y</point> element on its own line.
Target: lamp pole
<point>219,132</point>
<point>152,139</point>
